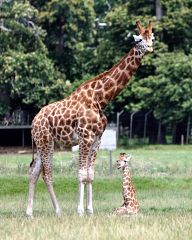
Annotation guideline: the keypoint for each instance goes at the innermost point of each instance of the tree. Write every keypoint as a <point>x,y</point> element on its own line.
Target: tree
<point>176,24</point>
<point>168,92</point>
<point>70,28</point>
<point>121,25</point>
<point>28,78</point>
<point>115,42</point>
<point>24,34</point>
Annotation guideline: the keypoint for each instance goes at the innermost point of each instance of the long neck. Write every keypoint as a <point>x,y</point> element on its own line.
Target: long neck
<point>110,83</point>
<point>127,185</point>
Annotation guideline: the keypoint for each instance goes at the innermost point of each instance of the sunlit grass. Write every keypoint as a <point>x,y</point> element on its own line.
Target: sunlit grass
<point>168,227</point>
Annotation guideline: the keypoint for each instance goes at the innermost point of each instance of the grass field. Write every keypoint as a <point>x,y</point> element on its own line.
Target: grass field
<point>162,176</point>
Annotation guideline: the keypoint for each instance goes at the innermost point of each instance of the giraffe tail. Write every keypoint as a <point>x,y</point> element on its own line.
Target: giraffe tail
<point>32,153</point>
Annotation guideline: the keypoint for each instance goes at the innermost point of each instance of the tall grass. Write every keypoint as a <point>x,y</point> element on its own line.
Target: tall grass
<point>162,177</point>
<point>166,227</point>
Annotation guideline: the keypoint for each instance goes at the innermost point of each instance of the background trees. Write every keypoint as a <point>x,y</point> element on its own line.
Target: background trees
<point>70,33</point>
<point>163,82</point>
<point>28,78</point>
<point>51,47</point>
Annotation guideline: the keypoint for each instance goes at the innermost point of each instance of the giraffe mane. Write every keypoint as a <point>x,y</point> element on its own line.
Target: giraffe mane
<point>105,73</point>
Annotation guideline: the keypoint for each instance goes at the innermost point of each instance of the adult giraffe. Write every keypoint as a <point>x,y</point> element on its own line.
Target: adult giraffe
<point>80,116</point>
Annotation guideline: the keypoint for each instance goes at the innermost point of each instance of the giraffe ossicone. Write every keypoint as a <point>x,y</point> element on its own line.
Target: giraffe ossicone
<point>79,119</point>
<point>130,205</point>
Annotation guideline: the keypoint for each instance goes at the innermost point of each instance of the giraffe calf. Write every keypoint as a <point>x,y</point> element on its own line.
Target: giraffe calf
<point>130,204</point>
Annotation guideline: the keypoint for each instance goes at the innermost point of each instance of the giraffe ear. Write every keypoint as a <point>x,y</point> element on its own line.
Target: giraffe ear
<point>140,28</point>
<point>150,26</point>
<point>128,157</point>
<point>137,38</point>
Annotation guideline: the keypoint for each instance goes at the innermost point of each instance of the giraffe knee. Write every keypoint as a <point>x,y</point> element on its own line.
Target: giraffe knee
<point>121,210</point>
<point>86,176</point>
<point>82,175</point>
<point>90,175</point>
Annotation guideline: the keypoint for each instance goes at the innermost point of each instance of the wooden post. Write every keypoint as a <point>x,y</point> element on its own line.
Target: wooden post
<point>145,124</point>
<point>159,134</point>
<point>131,124</point>
<point>188,128</point>
<point>158,9</point>
<point>118,116</point>
<point>182,139</point>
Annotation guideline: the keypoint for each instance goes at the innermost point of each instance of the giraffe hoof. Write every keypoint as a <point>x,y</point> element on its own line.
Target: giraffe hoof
<point>80,212</point>
<point>58,214</point>
<point>29,216</point>
<point>89,211</point>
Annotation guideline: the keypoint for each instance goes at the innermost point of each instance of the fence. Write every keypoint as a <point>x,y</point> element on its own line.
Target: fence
<point>143,126</point>
<point>132,127</point>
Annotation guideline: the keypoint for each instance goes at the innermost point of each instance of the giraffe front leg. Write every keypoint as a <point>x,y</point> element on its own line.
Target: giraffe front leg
<point>81,181</point>
<point>46,157</point>
<point>90,177</point>
<point>84,153</point>
<point>85,177</point>
<point>121,210</point>
<point>49,184</point>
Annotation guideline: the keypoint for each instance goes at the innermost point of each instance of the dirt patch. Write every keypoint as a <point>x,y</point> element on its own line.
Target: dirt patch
<point>26,150</point>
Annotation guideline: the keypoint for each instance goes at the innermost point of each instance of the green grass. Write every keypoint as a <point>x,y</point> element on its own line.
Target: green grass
<point>162,176</point>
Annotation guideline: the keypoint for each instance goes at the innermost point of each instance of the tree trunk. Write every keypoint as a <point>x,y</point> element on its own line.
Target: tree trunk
<point>179,130</point>
<point>161,135</point>
<point>156,131</point>
<point>158,9</point>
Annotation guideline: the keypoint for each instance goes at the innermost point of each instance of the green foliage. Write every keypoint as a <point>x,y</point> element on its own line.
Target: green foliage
<point>4,108</point>
<point>28,78</point>
<point>68,33</point>
<point>176,24</point>
<point>70,28</point>
<point>168,92</point>
<point>162,83</point>
<point>24,35</point>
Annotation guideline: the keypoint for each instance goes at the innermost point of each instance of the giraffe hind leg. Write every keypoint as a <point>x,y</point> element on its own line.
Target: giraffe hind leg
<point>34,172</point>
<point>47,176</point>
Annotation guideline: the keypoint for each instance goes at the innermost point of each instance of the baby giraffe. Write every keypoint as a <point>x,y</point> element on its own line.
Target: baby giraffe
<point>130,205</point>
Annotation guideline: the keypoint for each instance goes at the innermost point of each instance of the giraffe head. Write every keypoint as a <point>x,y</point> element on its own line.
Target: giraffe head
<point>123,160</point>
<point>144,41</point>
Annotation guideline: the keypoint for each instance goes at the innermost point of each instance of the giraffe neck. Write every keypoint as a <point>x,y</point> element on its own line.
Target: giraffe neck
<point>128,189</point>
<point>110,83</point>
